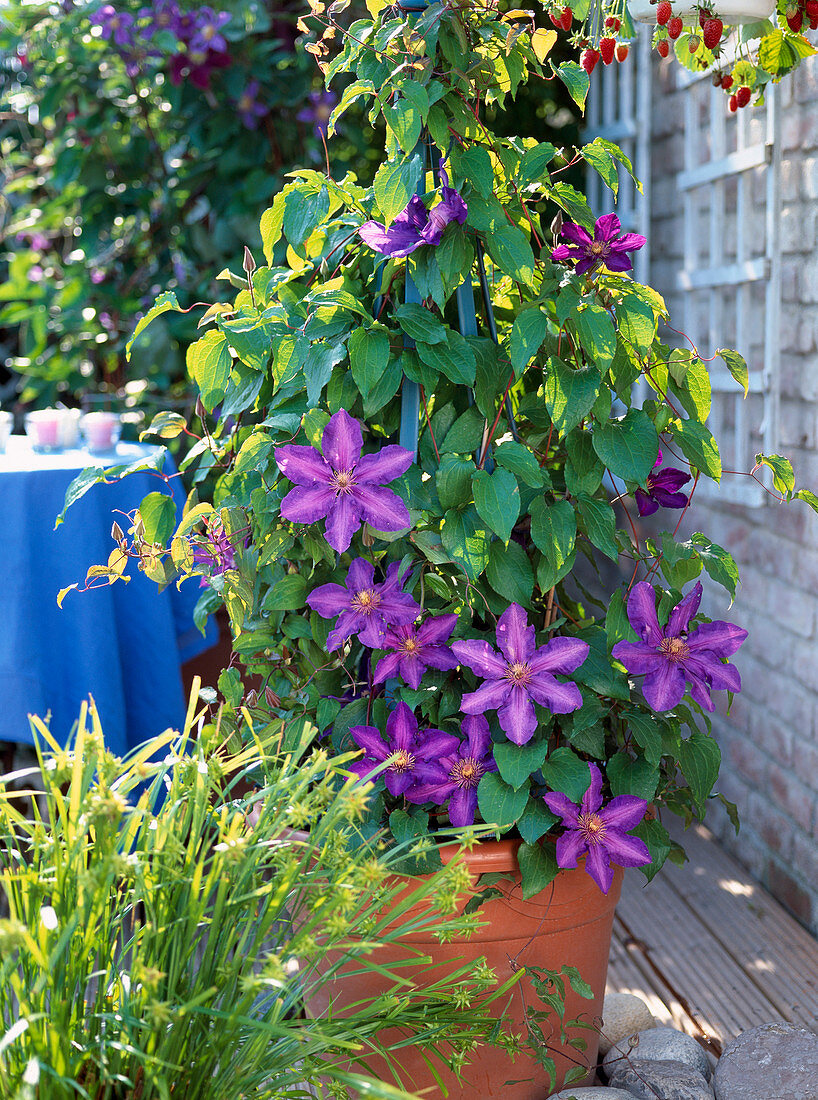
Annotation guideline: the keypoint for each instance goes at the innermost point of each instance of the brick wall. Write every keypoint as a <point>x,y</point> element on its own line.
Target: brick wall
<point>770,739</point>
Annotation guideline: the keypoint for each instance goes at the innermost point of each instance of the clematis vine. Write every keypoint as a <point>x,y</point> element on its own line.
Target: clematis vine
<point>521,674</point>
<point>669,657</point>
<point>416,225</point>
<point>453,776</point>
<point>364,607</point>
<point>341,486</point>
<point>414,648</point>
<point>662,489</point>
<point>605,247</point>
<point>405,748</point>
<point>598,832</point>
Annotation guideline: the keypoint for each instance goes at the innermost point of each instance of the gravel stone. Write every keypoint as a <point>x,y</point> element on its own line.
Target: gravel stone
<point>586,1093</point>
<point>623,1014</point>
<point>650,1079</point>
<point>770,1062</point>
<point>664,1044</point>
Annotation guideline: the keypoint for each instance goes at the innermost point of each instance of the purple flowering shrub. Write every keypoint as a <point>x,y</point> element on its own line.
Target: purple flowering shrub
<point>433,402</point>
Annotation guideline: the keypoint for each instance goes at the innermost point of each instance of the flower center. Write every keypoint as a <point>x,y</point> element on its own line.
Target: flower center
<point>342,481</point>
<point>518,673</point>
<point>598,248</point>
<point>674,649</point>
<point>592,827</point>
<point>366,601</point>
<point>467,773</point>
<point>401,762</point>
<point>410,646</point>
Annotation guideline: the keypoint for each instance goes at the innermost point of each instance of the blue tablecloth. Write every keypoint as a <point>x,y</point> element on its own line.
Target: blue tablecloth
<point>122,643</point>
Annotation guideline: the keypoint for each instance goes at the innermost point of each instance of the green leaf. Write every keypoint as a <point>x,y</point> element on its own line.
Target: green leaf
<point>289,355</point>
<point>636,323</point>
<point>521,461</point>
<point>420,324</point>
<point>783,476</point>
<point>287,594</point>
<point>635,777</point>
<point>583,470</point>
<point>698,446</point>
<point>518,762</point>
<point>166,301</point>
<point>167,425</point>
<point>453,357</point>
<point>598,522</point>
<point>600,159</point>
<point>720,565</point>
<point>209,364</point>
<point>554,531</point>
<point>628,447</point>
<point>158,513</point>
<point>808,497</point>
<point>368,355</point>
<point>395,184</point>
<point>680,562</point>
<point>737,365</point>
<point>647,732</point>
<point>405,122</point>
<point>453,480</point>
<point>593,324</point>
<point>475,164</point>
<point>465,434</point>
<point>497,498</point>
<point>695,390</point>
<point>576,80</point>
<point>466,540</point>
<point>658,842</point>
<point>617,627</point>
<point>564,771</point>
<point>499,803</point>
<point>779,52</point>
<point>538,868</point>
<point>318,369</point>
<point>534,164</point>
<point>597,672</point>
<point>537,819</point>
<point>510,249</point>
<point>700,760</point>
<point>527,334</point>
<point>569,394</point>
<point>509,572</point>
<point>574,204</point>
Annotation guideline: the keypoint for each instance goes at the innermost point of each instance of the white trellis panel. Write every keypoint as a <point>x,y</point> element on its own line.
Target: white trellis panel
<point>730,282</point>
<point>618,109</point>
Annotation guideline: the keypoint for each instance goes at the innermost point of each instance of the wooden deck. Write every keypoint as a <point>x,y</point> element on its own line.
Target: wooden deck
<point>710,951</point>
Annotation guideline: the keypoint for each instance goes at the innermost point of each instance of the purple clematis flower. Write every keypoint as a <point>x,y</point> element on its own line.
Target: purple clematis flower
<point>216,554</point>
<point>405,748</point>
<point>601,833</point>
<point>415,648</point>
<point>668,656</point>
<point>363,607</point>
<point>320,108</point>
<point>455,774</point>
<point>249,109</point>
<point>662,490</point>
<point>163,16</point>
<point>115,25</point>
<point>208,25</point>
<point>522,676</point>
<point>605,247</point>
<point>341,486</point>
<point>416,225</point>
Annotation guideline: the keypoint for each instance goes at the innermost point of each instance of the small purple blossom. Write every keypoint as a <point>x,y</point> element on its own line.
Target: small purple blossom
<point>364,607</point>
<point>97,275</point>
<point>416,648</point>
<point>668,656</point>
<point>198,66</point>
<point>317,113</point>
<point>405,748</point>
<point>662,489</point>
<point>37,242</point>
<point>522,676</point>
<point>416,225</point>
<point>341,486</point>
<point>605,247</point>
<point>250,111</point>
<point>455,774</point>
<point>207,27</point>
<point>601,833</point>
<point>216,554</point>
<point>162,16</point>
<point>115,25</point>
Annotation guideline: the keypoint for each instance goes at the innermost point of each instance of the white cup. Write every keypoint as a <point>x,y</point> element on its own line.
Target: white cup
<point>101,430</point>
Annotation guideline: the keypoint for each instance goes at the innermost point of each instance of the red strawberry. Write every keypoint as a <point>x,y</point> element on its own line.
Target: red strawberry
<point>712,32</point>
<point>693,43</point>
<point>588,59</point>
<point>704,15</point>
<point>566,17</point>
<point>621,51</point>
<point>795,21</point>
<point>675,26</point>
<point>609,22</point>
<point>606,49</point>
<point>743,96</point>
<point>555,19</point>
<point>727,82</point>
<point>811,9</point>
<point>663,12</point>
<point>732,103</point>
<point>663,47</point>
<point>813,23</point>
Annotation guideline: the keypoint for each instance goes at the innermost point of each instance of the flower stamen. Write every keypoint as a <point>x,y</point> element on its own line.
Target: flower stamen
<point>402,761</point>
<point>674,649</point>
<point>366,601</point>
<point>593,828</point>
<point>518,673</point>
<point>467,772</point>
<point>342,481</point>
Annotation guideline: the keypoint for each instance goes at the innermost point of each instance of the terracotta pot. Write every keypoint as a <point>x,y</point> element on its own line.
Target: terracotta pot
<point>569,923</point>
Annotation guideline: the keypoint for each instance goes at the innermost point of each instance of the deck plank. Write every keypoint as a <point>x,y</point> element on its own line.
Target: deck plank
<point>716,952</point>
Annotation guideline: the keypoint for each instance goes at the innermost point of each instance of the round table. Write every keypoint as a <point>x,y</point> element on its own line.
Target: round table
<point>122,643</point>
